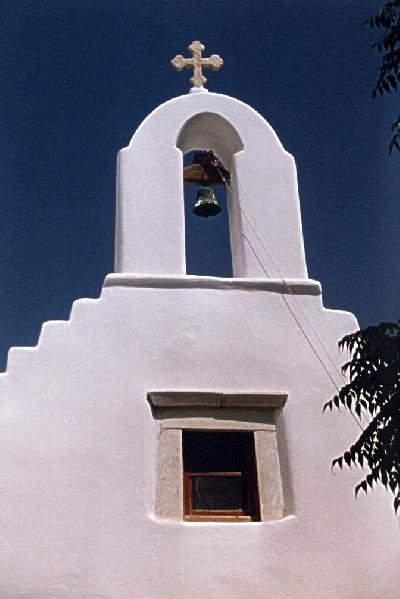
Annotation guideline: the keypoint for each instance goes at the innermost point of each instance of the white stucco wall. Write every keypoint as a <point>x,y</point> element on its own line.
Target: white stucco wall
<point>78,445</point>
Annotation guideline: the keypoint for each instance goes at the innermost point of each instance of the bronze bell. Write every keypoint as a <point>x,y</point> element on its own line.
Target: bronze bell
<point>206,204</point>
<point>206,170</point>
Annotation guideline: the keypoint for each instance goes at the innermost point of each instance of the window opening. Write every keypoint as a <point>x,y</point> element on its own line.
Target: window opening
<point>207,243</point>
<point>219,476</point>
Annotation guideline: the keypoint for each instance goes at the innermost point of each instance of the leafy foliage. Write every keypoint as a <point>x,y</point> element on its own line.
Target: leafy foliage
<point>387,19</point>
<point>374,392</point>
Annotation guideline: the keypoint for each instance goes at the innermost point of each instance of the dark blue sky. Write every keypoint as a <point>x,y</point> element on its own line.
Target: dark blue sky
<point>78,77</point>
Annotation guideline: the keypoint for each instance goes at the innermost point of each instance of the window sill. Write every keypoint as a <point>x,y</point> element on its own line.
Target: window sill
<point>218,519</point>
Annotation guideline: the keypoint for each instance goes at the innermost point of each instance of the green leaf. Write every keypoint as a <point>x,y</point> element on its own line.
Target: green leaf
<point>375,388</point>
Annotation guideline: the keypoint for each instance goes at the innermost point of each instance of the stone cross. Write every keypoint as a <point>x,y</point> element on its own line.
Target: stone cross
<point>196,63</point>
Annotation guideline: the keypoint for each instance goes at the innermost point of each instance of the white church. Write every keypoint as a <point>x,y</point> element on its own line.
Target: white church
<point>168,440</point>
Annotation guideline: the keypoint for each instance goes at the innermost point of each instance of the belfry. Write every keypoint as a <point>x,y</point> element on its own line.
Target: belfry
<point>168,441</point>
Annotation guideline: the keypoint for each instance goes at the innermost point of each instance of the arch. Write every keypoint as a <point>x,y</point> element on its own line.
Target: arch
<point>150,224</point>
<point>210,131</point>
<point>208,249</point>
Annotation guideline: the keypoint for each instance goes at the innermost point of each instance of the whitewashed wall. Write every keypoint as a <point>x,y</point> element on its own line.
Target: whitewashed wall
<point>78,442</point>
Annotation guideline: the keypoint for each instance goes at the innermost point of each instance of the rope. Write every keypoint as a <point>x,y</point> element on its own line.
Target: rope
<point>314,350</point>
<point>295,318</point>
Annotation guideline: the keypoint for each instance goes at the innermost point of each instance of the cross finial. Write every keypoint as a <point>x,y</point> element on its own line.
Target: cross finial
<point>196,63</point>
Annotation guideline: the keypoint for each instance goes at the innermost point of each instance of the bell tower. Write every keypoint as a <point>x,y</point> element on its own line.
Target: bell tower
<point>168,441</point>
<point>263,187</point>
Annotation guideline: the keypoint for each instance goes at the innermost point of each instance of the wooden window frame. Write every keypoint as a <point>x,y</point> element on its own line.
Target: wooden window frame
<point>196,515</point>
<point>192,512</point>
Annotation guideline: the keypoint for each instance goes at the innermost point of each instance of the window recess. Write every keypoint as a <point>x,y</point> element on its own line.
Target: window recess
<point>217,456</point>
<point>219,476</point>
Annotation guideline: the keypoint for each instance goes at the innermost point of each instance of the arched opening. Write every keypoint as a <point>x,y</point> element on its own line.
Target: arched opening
<point>208,240</point>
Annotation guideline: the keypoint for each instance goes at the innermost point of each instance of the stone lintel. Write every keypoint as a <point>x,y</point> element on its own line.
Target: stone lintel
<point>201,399</point>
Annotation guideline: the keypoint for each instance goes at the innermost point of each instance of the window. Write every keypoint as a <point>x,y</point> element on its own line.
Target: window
<point>217,456</point>
<point>219,478</point>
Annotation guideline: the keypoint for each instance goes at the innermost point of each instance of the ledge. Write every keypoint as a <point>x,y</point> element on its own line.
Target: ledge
<point>202,399</point>
<point>212,519</point>
<point>287,286</point>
